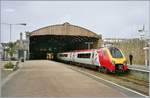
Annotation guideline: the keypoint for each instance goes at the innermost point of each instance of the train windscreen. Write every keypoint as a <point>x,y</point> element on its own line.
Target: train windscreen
<point>115,52</point>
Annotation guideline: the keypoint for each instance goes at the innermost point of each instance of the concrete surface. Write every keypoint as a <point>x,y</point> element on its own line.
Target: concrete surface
<point>5,72</point>
<point>140,72</point>
<point>139,67</point>
<point>47,78</point>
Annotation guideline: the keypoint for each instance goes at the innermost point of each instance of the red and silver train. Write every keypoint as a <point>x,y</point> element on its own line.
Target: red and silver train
<point>107,59</point>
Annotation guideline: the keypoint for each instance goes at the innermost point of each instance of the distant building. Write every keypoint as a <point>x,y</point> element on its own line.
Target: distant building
<point>4,54</point>
<point>1,52</point>
<point>116,40</point>
<point>23,46</point>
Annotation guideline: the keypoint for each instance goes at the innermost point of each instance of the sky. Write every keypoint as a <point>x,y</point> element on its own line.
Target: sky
<point>111,19</point>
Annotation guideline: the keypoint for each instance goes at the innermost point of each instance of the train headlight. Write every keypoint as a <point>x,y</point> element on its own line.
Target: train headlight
<point>113,62</point>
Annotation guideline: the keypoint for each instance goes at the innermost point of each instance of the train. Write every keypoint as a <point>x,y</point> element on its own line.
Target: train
<point>50,56</point>
<point>105,59</point>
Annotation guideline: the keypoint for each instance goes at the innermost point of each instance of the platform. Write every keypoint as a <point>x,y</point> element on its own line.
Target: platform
<point>48,78</point>
<point>139,67</point>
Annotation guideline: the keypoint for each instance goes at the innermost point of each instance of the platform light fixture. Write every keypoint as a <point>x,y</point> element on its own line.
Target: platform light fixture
<point>147,47</point>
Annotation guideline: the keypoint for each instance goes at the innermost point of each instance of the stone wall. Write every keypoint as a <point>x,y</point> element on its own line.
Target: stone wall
<point>134,47</point>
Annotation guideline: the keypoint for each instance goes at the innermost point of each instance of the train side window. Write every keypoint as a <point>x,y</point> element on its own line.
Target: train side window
<point>63,55</point>
<point>84,55</point>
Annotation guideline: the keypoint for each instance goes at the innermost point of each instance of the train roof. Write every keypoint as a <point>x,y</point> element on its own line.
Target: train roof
<point>80,50</point>
<point>88,50</point>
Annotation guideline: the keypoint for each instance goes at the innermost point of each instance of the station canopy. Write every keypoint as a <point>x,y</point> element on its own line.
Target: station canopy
<point>61,38</point>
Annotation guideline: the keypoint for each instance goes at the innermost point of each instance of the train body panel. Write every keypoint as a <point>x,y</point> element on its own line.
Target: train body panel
<point>64,56</point>
<point>111,58</point>
<point>95,58</point>
<point>105,60</point>
<point>83,57</point>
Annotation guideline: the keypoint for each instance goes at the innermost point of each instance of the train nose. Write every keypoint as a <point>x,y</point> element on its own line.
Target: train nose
<point>119,67</point>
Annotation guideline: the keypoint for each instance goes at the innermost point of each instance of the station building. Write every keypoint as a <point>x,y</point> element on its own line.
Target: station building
<point>61,38</point>
<point>1,52</point>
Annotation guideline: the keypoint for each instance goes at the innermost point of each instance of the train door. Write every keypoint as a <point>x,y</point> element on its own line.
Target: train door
<point>72,56</point>
<point>92,58</point>
<point>101,61</point>
<point>95,58</point>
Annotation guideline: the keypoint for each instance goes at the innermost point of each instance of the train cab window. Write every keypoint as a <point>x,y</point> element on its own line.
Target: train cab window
<point>63,55</point>
<point>84,55</point>
<point>115,52</point>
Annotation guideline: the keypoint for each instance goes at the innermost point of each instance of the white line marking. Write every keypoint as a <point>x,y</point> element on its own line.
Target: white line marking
<point>114,84</point>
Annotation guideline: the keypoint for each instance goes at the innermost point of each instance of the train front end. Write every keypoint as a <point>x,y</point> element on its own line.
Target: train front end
<point>118,60</point>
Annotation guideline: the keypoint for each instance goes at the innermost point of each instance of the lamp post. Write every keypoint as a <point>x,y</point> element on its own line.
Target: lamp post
<point>147,44</point>
<point>28,42</point>
<point>10,27</point>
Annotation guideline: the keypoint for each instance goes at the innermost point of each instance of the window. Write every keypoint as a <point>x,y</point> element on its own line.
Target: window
<point>63,55</point>
<point>85,55</point>
<point>115,52</point>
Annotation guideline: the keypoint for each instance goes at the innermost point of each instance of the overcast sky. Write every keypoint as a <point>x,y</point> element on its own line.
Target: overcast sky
<point>112,19</point>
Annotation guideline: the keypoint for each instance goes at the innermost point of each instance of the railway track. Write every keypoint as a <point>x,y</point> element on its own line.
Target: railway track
<point>125,80</point>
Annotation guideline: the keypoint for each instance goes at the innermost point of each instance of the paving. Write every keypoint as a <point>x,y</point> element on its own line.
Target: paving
<point>4,72</point>
<point>48,78</point>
